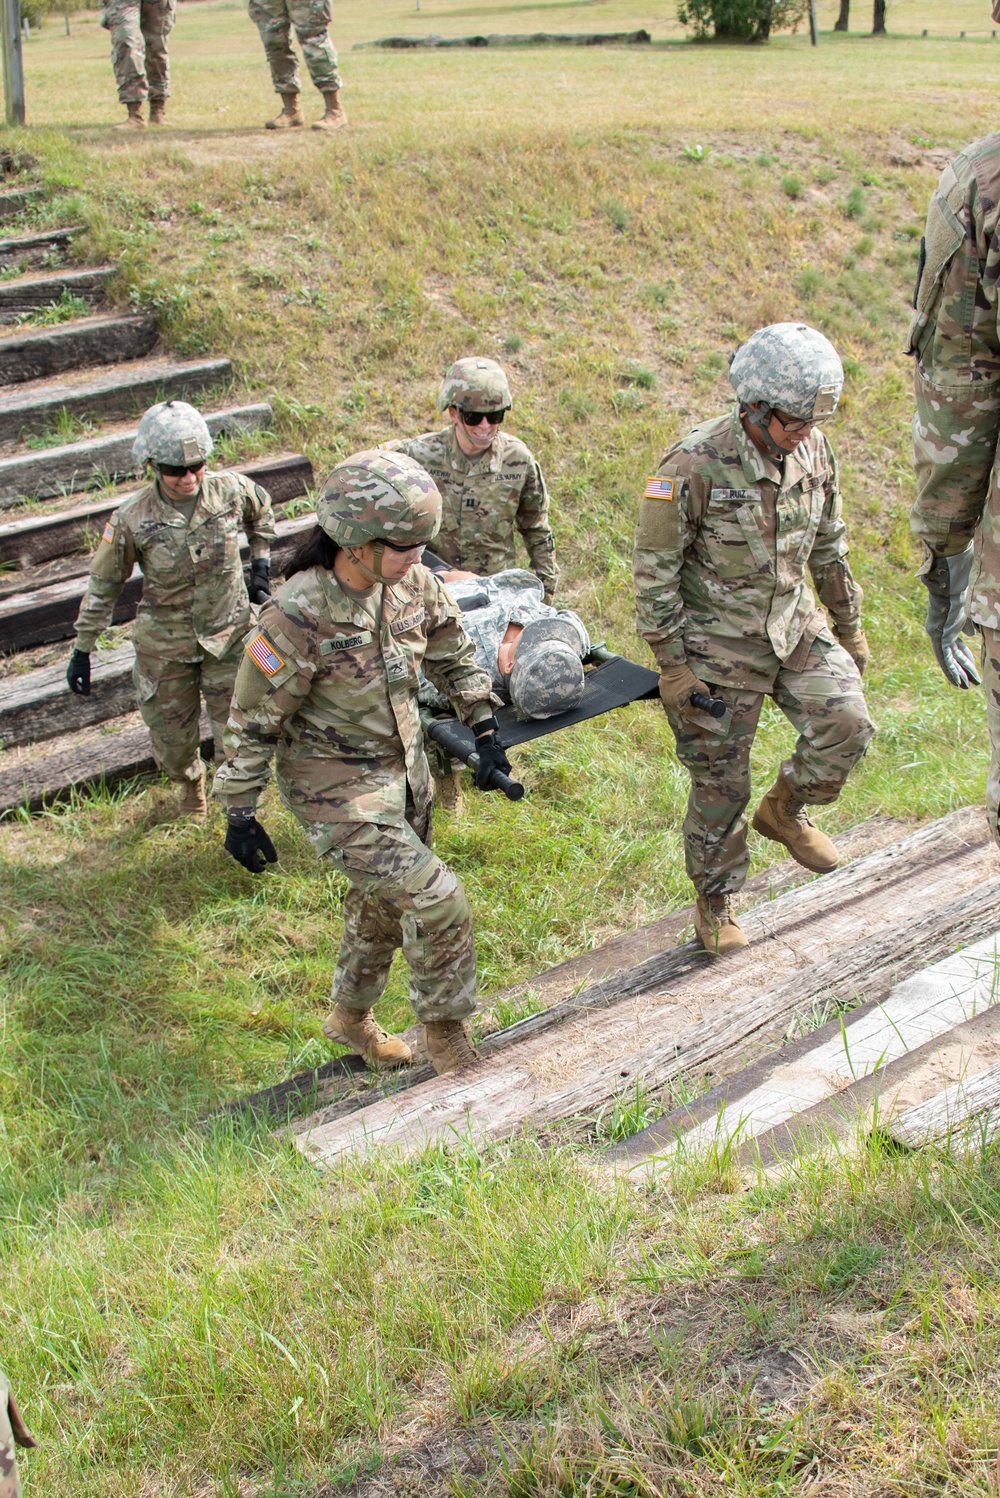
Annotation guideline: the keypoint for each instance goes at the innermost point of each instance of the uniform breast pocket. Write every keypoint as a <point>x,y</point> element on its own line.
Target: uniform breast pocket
<point>725,537</point>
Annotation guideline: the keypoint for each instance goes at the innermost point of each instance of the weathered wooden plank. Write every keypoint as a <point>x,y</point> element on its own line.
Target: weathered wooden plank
<point>39,538</point>
<point>16,201</point>
<point>113,393</point>
<point>62,470</point>
<point>39,705</point>
<point>967,1111</point>
<point>87,340</point>
<point>511,39</point>
<point>30,293</point>
<point>49,613</point>
<point>118,751</point>
<point>33,249</point>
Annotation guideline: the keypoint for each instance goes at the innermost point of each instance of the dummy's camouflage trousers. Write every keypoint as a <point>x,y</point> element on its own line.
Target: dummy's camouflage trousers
<point>274,20</point>
<point>10,1483</point>
<point>169,695</point>
<point>402,895</point>
<point>825,703</point>
<point>991,686</point>
<point>139,34</point>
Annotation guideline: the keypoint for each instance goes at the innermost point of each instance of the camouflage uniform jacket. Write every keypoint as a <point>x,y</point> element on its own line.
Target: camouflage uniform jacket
<point>955,338</point>
<point>722,546</point>
<point>484,497</point>
<point>194,597</point>
<point>330,683</point>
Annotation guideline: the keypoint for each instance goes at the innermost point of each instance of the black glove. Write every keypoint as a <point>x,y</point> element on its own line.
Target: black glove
<point>78,673</point>
<point>947,583</point>
<point>259,586</point>
<point>248,843</point>
<point>490,751</point>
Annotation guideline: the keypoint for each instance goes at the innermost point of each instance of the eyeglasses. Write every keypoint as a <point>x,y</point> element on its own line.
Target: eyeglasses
<point>476,418</point>
<point>172,471</point>
<point>395,546</point>
<point>791,424</point>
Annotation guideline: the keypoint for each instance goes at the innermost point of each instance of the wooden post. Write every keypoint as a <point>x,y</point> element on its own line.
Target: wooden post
<point>13,69</point>
<point>813,26</point>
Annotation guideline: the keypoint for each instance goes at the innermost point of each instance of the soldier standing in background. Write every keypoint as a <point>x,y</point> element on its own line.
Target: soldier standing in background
<point>139,31</point>
<point>733,516</point>
<point>274,20</point>
<point>183,530</point>
<point>13,1432</point>
<point>328,688</point>
<point>955,340</point>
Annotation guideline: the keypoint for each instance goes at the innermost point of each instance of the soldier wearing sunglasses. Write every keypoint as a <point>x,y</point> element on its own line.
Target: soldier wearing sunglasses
<point>183,532</point>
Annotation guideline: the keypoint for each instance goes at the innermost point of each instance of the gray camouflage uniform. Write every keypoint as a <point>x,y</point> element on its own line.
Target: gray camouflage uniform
<point>311,19</point>
<point>194,608</point>
<point>722,547</point>
<point>139,31</point>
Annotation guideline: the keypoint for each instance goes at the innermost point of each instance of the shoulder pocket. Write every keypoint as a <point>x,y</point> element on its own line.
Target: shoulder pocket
<point>944,300</point>
<point>659,523</point>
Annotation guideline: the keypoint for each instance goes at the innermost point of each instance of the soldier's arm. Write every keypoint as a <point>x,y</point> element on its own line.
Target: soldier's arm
<point>258,519</point>
<point>954,338</point>
<point>836,588</point>
<point>450,657</point>
<point>274,678</point>
<point>536,532</point>
<point>109,571</point>
<point>668,521</point>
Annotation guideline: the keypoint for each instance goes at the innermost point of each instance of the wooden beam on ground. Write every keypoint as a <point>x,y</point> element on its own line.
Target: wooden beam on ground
<point>967,1112</point>
<point>15,202</point>
<point>113,393</point>
<point>31,249</point>
<point>846,936</point>
<point>89,340</point>
<point>29,293</point>
<point>39,705</point>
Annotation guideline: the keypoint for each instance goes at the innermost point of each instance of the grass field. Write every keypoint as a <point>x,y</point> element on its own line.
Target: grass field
<point>192,1313</point>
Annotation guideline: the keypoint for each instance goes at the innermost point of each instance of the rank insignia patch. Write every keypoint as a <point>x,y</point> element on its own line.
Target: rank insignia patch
<point>108,533</point>
<point>659,489</point>
<point>265,655</point>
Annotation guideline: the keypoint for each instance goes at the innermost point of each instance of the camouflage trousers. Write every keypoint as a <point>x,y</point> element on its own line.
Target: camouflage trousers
<point>169,695</point>
<point>274,20</point>
<point>824,702</point>
<point>991,687</point>
<point>10,1483</point>
<point>402,895</point>
<point>139,31</point>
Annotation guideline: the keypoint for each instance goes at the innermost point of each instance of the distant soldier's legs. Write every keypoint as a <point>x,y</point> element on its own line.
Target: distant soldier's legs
<point>128,58</point>
<point>991,687</point>
<point>272,20</point>
<point>311,19</point>
<point>158,18</point>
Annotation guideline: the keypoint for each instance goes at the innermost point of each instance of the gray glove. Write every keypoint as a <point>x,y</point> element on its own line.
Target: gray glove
<point>947,582</point>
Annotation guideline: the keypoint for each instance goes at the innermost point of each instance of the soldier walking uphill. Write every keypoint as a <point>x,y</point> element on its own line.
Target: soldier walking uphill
<point>139,31</point>
<point>736,512</point>
<point>955,338</point>
<point>328,686</point>
<point>183,530</point>
<point>274,20</point>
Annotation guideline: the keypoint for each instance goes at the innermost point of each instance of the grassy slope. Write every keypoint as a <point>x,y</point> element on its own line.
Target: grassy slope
<point>183,1312</point>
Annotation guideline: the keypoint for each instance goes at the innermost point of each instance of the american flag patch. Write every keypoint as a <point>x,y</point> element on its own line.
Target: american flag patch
<point>108,533</point>
<point>659,489</point>
<point>265,655</point>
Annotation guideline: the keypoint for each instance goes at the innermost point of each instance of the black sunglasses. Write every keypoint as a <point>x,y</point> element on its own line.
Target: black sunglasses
<point>171,470</point>
<point>411,546</point>
<point>474,418</point>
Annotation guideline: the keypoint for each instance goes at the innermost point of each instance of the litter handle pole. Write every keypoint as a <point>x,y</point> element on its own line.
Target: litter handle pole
<point>13,67</point>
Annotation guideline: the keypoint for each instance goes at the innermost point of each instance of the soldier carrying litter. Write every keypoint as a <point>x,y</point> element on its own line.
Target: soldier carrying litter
<point>183,531</point>
<point>735,513</point>
<point>955,341</point>
<point>328,688</point>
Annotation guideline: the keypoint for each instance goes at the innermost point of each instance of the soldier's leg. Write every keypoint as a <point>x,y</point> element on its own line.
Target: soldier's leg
<point>128,50</point>
<point>170,703</point>
<point>274,24</point>
<point>157,19</point>
<point>715,827</point>
<point>218,678</point>
<point>311,19</point>
<point>991,687</point>
<point>825,702</point>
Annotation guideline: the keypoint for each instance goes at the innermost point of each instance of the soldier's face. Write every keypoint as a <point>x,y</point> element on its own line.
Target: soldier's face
<point>472,439</point>
<point>395,564</point>
<point>787,431</point>
<point>181,485</point>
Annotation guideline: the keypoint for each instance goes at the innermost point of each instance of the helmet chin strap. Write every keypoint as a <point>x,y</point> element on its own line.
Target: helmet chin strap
<point>760,415</point>
<point>375,571</point>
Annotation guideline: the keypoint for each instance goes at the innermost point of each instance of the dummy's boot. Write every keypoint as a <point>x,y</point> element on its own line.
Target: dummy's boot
<point>718,929</point>
<point>291,115</point>
<point>157,111</point>
<point>781,816</point>
<point>135,120</point>
<point>448,792</point>
<point>334,117</point>
<point>192,798</point>
<point>448,1045</point>
<point>358,1029</point>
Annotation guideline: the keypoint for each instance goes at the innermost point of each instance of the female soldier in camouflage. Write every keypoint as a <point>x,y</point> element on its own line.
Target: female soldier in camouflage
<point>328,686</point>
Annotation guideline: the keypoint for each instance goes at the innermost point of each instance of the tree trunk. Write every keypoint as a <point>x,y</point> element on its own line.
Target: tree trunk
<point>845,11</point>
<point>878,18</point>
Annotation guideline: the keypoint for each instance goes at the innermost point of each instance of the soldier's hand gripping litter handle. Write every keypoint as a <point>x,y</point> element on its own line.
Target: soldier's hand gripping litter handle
<point>714,706</point>
<point>947,582</point>
<point>248,843</point>
<point>490,765</point>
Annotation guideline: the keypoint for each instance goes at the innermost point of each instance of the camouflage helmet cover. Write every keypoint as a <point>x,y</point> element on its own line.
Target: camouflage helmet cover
<point>475,385</point>
<point>791,367</point>
<point>548,676</point>
<point>174,433</point>
<point>379,496</point>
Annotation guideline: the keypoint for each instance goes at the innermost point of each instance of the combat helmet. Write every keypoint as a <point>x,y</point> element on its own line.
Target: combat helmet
<point>174,433</point>
<point>548,675</point>
<point>379,496</point>
<point>790,367</point>
<point>475,385</point>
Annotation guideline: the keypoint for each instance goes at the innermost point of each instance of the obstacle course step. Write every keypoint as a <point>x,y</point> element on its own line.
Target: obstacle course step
<point>31,293</point>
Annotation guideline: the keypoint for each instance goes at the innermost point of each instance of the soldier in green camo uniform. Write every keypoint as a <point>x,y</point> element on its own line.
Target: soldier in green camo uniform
<point>274,20</point>
<point>955,341</point>
<point>13,1432</point>
<point>735,514</point>
<point>491,486</point>
<point>139,31</point>
<point>328,688</point>
<point>183,531</point>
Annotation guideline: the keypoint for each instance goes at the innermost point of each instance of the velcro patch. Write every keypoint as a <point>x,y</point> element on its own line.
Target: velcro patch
<point>400,626</point>
<point>657,488</point>
<point>264,654</point>
<point>736,496</point>
<point>347,642</point>
<point>108,533</point>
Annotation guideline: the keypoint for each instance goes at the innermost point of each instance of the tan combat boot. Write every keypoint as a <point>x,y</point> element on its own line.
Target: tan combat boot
<point>192,798</point>
<point>781,816</point>
<point>291,115</point>
<point>448,1045</point>
<point>135,120</point>
<point>448,793</point>
<point>157,111</point>
<point>717,928</point>
<point>357,1028</point>
<point>335,117</point>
